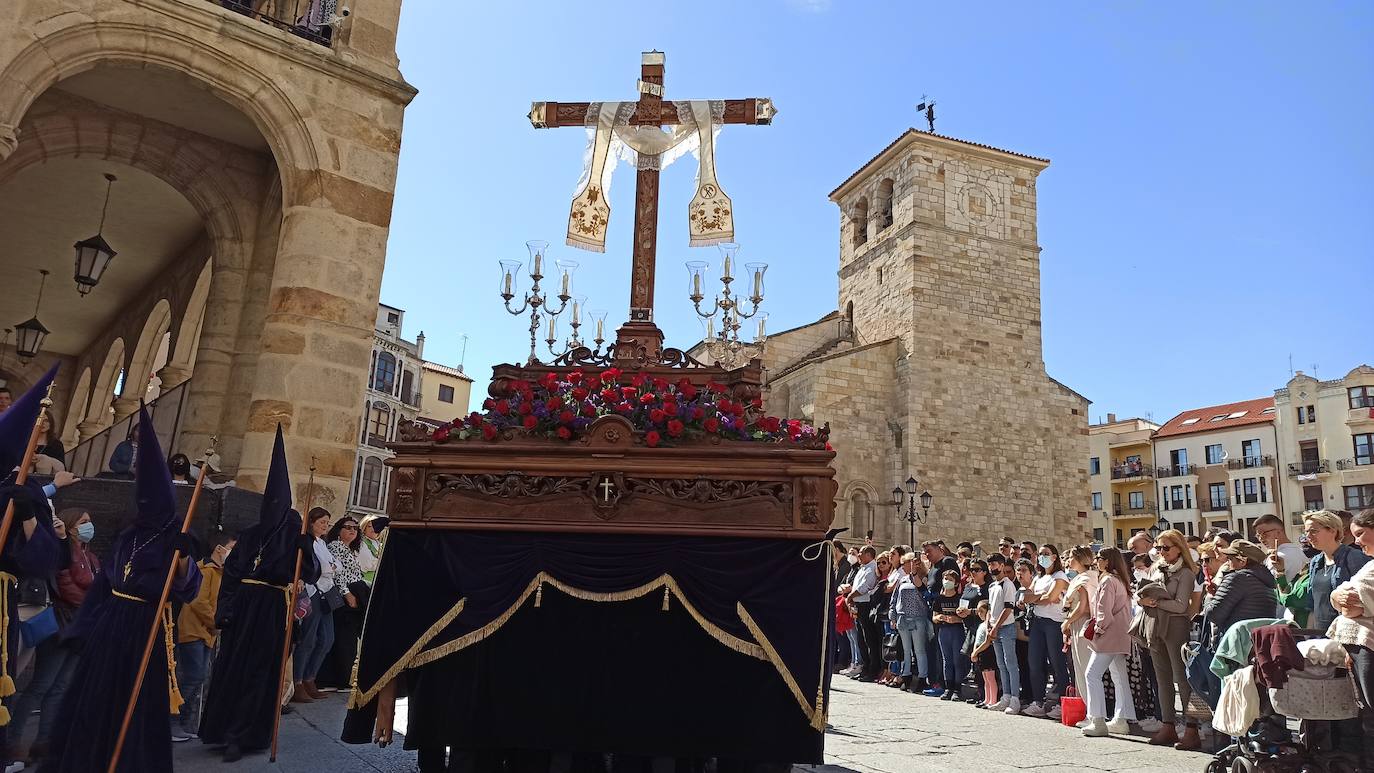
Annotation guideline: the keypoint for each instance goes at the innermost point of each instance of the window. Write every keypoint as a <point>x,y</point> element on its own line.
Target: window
<point>1098,535</point>
<point>1361,396</point>
<point>1250,449</point>
<point>1094,466</point>
<point>1097,500</point>
<point>1188,493</point>
<point>1364,448</point>
<point>1359,497</point>
<point>1264,490</point>
<point>1179,459</point>
<point>1251,488</point>
<point>392,317</point>
<point>1187,422</point>
<point>860,220</point>
<point>378,424</point>
<point>1268,410</point>
<point>1176,498</point>
<point>1237,414</point>
<point>1136,500</point>
<point>1216,496</point>
<point>885,204</point>
<point>1313,498</point>
<point>1218,417</point>
<point>1307,414</point>
<point>370,487</point>
<point>445,393</point>
<point>1133,463</point>
<point>384,377</point>
<point>1120,540</point>
<point>1214,454</point>
<point>408,395</point>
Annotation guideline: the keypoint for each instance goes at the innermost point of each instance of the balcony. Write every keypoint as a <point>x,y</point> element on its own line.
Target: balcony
<point>1221,505</point>
<point>376,441</point>
<point>1132,472</point>
<point>1362,415</point>
<point>1309,467</point>
<point>1250,462</point>
<point>1353,464</point>
<point>1175,470</point>
<point>302,18</point>
<point>1134,511</point>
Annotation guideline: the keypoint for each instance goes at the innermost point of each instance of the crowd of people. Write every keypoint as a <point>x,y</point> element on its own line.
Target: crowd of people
<point>65,610</point>
<point>1016,629</point>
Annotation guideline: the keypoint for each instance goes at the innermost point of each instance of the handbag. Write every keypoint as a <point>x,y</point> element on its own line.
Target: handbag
<point>361,591</point>
<point>1090,630</point>
<point>39,628</point>
<point>303,607</point>
<point>333,598</point>
<point>892,648</point>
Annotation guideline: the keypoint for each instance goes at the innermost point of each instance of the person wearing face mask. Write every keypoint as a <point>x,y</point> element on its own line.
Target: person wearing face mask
<point>1140,570</point>
<point>1046,596</point>
<point>196,634</point>
<point>55,659</point>
<point>949,632</point>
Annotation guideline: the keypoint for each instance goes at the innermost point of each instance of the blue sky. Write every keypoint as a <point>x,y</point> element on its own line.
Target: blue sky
<point>1208,211</point>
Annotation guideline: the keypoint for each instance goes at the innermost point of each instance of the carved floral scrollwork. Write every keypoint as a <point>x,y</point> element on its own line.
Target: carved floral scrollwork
<point>510,485</point>
<point>413,432</point>
<point>403,486</point>
<point>709,490</point>
<point>810,501</point>
<point>608,490</point>
<point>583,356</point>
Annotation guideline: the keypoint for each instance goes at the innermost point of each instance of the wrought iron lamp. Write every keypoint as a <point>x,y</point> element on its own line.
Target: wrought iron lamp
<point>537,300</point>
<point>1159,527</point>
<point>29,339</point>
<point>909,498</point>
<point>93,255</point>
<point>725,346</point>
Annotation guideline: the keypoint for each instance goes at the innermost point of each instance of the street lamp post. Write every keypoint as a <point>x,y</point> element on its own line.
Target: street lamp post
<point>909,497</point>
<point>1160,526</point>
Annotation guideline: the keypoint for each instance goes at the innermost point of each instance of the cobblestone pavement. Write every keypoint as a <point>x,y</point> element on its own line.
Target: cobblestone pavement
<point>876,729</point>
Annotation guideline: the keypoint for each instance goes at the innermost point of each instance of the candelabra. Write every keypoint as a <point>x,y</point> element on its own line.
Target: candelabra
<point>537,301</point>
<point>725,346</point>
<point>574,341</point>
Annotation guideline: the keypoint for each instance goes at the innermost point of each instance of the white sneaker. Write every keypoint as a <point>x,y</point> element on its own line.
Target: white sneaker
<point>1034,710</point>
<point>1119,727</point>
<point>1054,713</point>
<point>1097,728</point>
<point>1013,706</point>
<point>181,736</point>
<point>1001,704</point>
<point>1150,725</point>
<point>14,767</point>
<point>1083,724</point>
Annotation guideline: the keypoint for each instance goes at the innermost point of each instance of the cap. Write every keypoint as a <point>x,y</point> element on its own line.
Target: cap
<point>1248,549</point>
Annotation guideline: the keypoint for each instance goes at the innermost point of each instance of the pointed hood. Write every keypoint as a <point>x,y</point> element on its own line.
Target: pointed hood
<point>276,495</point>
<point>16,424</point>
<point>157,503</point>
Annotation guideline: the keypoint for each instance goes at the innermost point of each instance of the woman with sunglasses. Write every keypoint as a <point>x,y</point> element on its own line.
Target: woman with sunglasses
<point>344,540</point>
<point>1176,574</point>
<point>1110,644</point>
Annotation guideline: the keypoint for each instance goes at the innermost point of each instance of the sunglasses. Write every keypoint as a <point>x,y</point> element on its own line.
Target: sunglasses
<point>348,526</point>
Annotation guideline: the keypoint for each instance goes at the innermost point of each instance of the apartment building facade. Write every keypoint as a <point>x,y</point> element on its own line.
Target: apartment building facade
<point>1326,437</point>
<point>394,386</point>
<point>1121,471</point>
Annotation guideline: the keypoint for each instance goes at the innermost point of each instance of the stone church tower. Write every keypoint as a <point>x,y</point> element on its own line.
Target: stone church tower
<point>933,365</point>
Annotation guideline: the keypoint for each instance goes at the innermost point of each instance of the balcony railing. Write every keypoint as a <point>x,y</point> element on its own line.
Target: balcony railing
<point>1216,505</point>
<point>1128,471</point>
<point>376,441</point>
<point>1353,464</point>
<point>1175,470</point>
<point>1147,508</point>
<point>1309,467</point>
<point>313,20</point>
<point>1250,462</point>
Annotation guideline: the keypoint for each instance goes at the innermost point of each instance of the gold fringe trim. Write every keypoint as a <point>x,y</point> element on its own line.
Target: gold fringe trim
<point>7,687</point>
<point>539,595</point>
<point>358,698</point>
<point>816,716</point>
<point>665,598</point>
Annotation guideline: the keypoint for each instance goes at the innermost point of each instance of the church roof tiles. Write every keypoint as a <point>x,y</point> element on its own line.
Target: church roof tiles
<point>1216,417</point>
<point>912,133</point>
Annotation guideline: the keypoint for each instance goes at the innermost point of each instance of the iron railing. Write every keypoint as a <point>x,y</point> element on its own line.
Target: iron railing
<point>92,457</point>
<point>313,20</point>
<point>1147,508</point>
<point>1352,464</point>
<point>1309,467</point>
<point>1176,470</point>
<point>1216,505</point>
<point>1128,471</point>
<point>1250,462</point>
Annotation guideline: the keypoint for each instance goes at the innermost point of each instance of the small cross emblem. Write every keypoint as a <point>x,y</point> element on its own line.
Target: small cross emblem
<point>607,487</point>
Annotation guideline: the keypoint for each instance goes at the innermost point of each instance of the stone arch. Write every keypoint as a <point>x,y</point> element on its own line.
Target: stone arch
<point>859,217</point>
<point>885,203</point>
<point>76,408</point>
<point>187,335</point>
<point>149,339</point>
<point>98,408</point>
<point>83,46</point>
<point>861,502</point>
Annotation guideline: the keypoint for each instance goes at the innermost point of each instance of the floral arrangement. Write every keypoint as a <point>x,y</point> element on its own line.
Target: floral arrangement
<point>563,405</point>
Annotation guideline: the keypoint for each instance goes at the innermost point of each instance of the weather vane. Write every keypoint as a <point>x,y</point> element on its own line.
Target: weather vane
<point>927,106</point>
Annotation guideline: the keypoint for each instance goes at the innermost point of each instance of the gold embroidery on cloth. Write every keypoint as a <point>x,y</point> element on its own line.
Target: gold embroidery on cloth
<point>817,717</point>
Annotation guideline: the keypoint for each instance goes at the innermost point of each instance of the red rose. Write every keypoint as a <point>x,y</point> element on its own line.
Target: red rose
<point>769,424</point>
<point>525,408</point>
<point>637,380</point>
<point>828,448</point>
<point>660,384</point>
<point>670,407</point>
<point>712,386</point>
<point>688,391</point>
<point>711,425</point>
<point>566,416</point>
<point>611,375</point>
<point>593,382</point>
<point>575,377</point>
<point>723,406</point>
<point>648,398</point>
<point>609,395</point>
<point>488,432</point>
<point>588,409</point>
<point>441,434</point>
<point>657,416</point>
<point>531,422</point>
<point>488,404</point>
<point>501,406</point>
<point>625,408</point>
<point>565,433</point>
<point>550,380</point>
<point>651,438</point>
<point>580,393</point>
<point>474,418</point>
<point>737,409</point>
<point>758,402</point>
<point>554,403</point>
<point>675,428</point>
<point>629,392</point>
<point>697,413</point>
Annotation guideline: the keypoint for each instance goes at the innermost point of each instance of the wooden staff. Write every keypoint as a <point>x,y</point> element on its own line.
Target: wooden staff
<point>290,610</point>
<point>157,616</point>
<point>23,474</point>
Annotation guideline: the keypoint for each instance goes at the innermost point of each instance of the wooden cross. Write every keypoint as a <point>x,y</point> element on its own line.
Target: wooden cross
<point>640,336</point>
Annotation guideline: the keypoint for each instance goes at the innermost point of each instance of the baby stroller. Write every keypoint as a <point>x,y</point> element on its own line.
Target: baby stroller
<point>1316,696</point>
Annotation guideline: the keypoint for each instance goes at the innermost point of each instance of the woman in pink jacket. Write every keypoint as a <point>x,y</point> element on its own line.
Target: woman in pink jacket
<point>1111,643</point>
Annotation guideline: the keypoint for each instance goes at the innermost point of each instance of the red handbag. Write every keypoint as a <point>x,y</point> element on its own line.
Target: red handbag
<point>1090,630</point>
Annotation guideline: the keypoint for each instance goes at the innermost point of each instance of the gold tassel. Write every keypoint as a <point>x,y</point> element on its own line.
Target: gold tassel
<point>4,716</point>
<point>539,595</point>
<point>6,681</point>
<point>665,597</point>
<point>175,700</point>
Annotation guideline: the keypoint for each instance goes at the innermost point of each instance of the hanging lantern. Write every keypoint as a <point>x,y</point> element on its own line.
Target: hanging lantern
<point>29,335</point>
<point>93,255</point>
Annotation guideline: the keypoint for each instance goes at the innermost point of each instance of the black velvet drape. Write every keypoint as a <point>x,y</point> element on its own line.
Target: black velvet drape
<point>580,675</point>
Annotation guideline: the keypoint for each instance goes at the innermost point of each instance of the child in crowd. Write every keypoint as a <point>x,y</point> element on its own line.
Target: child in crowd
<point>983,658</point>
<point>196,640</point>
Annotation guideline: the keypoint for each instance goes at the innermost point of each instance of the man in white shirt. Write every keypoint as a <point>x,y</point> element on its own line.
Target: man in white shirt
<point>1270,533</point>
<point>870,635</point>
<point>1002,633</point>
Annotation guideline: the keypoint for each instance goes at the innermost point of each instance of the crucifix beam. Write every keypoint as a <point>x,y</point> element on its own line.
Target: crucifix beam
<point>640,338</point>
